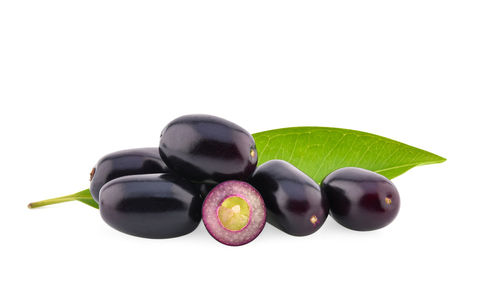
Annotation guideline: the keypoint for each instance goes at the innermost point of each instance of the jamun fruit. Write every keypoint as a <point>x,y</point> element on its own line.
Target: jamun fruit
<point>293,199</point>
<point>204,188</point>
<point>205,148</point>
<point>151,205</point>
<point>360,199</point>
<point>122,163</point>
<point>234,212</point>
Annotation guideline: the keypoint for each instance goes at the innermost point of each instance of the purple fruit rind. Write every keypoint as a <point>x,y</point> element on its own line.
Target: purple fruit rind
<point>217,195</point>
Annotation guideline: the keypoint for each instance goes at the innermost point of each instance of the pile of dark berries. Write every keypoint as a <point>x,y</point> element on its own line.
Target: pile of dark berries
<point>206,168</point>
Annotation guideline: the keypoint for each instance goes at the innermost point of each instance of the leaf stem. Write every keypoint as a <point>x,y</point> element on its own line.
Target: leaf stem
<point>82,196</point>
<point>50,201</point>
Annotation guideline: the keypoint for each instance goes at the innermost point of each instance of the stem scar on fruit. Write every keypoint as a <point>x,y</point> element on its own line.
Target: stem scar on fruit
<point>252,152</point>
<point>388,200</point>
<point>313,219</point>
<point>92,173</point>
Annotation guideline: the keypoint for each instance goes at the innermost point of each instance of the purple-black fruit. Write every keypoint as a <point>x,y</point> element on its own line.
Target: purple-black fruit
<point>360,199</point>
<point>151,205</point>
<point>293,199</point>
<point>204,188</point>
<point>122,163</point>
<point>234,213</point>
<point>205,148</point>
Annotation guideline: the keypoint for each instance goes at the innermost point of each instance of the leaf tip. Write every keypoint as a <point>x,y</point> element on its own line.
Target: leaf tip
<point>440,159</point>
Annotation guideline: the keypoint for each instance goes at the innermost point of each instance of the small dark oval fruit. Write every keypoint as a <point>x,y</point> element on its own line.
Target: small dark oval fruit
<point>151,205</point>
<point>293,199</point>
<point>205,148</point>
<point>204,188</point>
<point>122,163</point>
<point>234,213</point>
<point>360,199</point>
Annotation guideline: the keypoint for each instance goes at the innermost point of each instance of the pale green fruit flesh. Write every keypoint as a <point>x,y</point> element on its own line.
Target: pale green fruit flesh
<point>234,213</point>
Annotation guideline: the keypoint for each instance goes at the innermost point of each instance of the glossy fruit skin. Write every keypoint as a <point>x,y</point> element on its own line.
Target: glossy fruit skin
<point>293,199</point>
<point>357,198</point>
<point>205,148</point>
<point>122,163</point>
<point>151,205</point>
<point>204,188</point>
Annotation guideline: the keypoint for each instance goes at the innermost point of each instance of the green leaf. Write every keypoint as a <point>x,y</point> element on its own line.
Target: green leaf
<point>85,197</point>
<point>318,151</point>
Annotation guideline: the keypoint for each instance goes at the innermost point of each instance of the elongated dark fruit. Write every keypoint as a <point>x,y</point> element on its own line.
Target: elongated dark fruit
<point>293,199</point>
<point>151,205</point>
<point>125,162</point>
<point>205,148</point>
<point>359,199</point>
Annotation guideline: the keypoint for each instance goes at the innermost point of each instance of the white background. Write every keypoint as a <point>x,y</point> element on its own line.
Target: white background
<point>79,79</point>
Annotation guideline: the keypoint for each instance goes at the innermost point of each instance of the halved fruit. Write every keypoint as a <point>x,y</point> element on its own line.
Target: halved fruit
<point>234,213</point>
